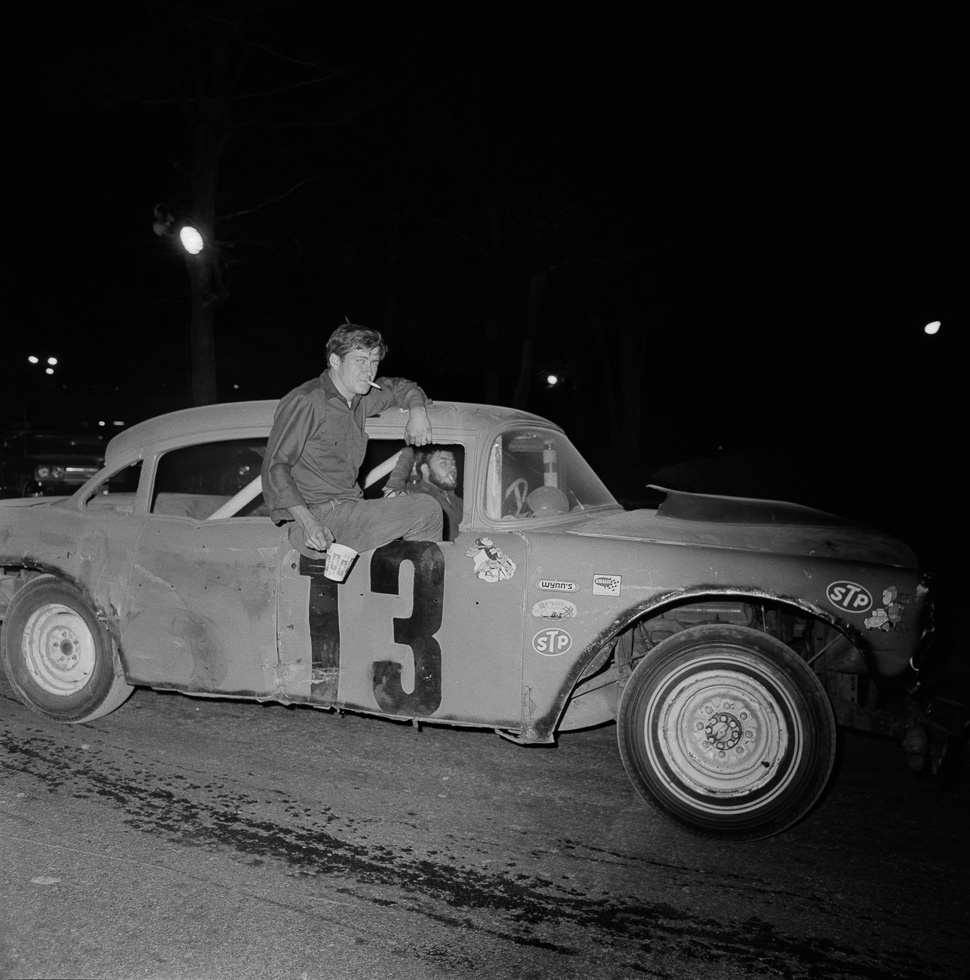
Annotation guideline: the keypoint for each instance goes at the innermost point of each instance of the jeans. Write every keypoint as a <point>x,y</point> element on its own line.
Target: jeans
<point>367,524</point>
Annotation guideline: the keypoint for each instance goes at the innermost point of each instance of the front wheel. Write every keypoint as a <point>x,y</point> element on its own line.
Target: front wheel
<point>726,731</point>
<point>58,656</point>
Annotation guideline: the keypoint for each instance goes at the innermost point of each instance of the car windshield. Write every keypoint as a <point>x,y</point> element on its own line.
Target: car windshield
<point>537,473</point>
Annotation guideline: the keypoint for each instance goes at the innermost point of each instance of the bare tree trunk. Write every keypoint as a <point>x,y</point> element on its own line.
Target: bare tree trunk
<point>623,376</point>
<point>537,284</point>
<point>208,117</point>
<point>202,341</point>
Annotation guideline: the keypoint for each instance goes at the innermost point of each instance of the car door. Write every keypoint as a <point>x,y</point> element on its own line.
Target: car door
<point>203,594</point>
<point>417,630</point>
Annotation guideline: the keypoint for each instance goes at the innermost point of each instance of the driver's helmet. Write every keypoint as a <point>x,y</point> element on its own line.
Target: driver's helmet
<point>547,502</point>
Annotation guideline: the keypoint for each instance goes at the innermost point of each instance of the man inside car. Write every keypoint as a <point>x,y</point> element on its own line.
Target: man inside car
<point>431,470</point>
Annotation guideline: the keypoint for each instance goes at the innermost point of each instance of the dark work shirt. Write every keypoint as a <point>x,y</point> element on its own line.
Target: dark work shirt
<point>317,442</point>
<point>450,502</point>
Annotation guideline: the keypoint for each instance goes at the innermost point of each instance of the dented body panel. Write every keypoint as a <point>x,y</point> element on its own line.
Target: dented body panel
<point>526,623</point>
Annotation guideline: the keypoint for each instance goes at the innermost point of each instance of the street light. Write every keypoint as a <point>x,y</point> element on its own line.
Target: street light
<point>51,362</point>
<point>191,239</point>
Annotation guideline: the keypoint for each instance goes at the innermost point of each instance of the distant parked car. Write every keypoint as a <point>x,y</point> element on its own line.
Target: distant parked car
<point>48,464</point>
<point>725,637</point>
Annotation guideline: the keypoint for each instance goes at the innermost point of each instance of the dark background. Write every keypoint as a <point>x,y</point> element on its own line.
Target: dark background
<point>764,209</point>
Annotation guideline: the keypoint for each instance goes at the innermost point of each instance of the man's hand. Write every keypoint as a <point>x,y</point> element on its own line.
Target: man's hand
<point>316,535</point>
<point>418,430</point>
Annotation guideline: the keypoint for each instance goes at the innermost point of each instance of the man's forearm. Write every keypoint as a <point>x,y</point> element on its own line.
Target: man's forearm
<point>416,398</point>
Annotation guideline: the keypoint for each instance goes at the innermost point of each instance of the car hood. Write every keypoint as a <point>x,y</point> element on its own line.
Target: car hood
<point>745,524</point>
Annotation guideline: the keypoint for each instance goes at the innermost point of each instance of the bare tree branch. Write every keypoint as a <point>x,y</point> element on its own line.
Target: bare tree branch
<point>264,204</point>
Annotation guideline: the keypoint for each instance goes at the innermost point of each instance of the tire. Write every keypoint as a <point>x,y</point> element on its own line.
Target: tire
<point>57,654</point>
<point>725,731</point>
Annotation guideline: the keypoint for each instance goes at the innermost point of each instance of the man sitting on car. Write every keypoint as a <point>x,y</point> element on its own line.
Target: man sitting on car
<point>317,444</point>
<point>432,470</point>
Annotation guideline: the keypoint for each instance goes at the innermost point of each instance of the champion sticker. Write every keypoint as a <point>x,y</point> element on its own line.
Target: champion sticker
<point>848,596</point>
<point>607,584</point>
<point>552,585</point>
<point>554,609</point>
<point>552,642</point>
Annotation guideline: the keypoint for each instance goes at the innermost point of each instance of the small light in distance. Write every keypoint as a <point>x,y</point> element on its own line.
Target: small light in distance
<point>552,380</point>
<point>932,327</point>
<point>191,240</point>
<point>32,359</point>
<point>48,370</point>
<point>101,423</point>
<point>51,361</point>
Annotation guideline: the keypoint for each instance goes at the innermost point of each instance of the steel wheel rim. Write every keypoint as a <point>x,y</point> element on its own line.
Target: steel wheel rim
<point>59,649</point>
<point>724,738</point>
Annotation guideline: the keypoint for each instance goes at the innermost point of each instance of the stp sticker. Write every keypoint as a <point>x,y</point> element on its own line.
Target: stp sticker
<point>554,609</point>
<point>552,642</point>
<point>848,596</point>
<point>607,584</point>
<point>553,585</point>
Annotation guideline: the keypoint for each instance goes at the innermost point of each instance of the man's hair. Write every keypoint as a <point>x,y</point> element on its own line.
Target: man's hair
<point>351,336</point>
<point>424,454</point>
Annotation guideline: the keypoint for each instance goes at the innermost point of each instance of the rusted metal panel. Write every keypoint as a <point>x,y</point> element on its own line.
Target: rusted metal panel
<point>201,605</point>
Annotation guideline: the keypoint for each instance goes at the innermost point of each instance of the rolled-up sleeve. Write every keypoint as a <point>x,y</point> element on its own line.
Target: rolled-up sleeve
<point>292,425</point>
<point>400,391</point>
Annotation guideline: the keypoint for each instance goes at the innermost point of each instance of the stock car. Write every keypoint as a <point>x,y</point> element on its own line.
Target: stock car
<point>724,637</point>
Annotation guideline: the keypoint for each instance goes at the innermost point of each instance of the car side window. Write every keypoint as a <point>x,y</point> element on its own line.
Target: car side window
<point>194,481</point>
<point>117,491</point>
<point>389,458</point>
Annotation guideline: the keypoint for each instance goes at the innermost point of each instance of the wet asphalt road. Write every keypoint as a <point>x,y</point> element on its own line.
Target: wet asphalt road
<point>180,838</point>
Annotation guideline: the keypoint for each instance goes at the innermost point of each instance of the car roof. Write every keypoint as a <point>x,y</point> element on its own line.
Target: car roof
<point>230,420</point>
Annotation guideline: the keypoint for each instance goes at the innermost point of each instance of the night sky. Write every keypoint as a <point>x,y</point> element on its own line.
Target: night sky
<point>776,202</point>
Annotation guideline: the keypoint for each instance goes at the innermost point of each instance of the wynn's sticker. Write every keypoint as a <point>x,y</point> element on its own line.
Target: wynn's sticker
<point>554,609</point>
<point>607,584</point>
<point>848,596</point>
<point>553,585</point>
<point>552,642</point>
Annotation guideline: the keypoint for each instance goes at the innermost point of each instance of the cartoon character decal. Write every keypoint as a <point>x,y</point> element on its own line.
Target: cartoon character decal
<point>491,565</point>
<point>890,615</point>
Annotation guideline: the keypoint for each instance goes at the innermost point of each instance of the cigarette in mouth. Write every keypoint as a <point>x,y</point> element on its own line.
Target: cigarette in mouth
<point>378,387</point>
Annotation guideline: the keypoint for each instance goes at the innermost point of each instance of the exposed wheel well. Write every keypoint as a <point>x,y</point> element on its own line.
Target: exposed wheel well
<point>837,661</point>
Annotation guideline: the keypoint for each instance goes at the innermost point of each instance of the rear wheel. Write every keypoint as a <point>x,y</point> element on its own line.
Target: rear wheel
<point>57,654</point>
<point>726,731</point>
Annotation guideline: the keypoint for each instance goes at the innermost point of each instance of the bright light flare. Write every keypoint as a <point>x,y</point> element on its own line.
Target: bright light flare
<point>932,327</point>
<point>552,380</point>
<point>191,240</point>
<point>48,370</point>
<point>33,360</point>
<point>51,361</point>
